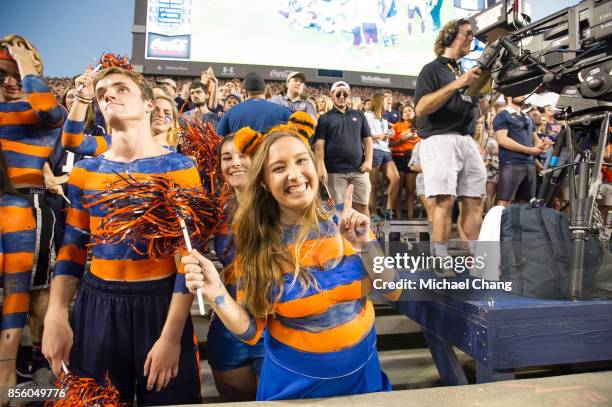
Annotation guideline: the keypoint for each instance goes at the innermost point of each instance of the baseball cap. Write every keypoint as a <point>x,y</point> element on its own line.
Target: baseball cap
<point>339,84</point>
<point>253,82</point>
<point>296,74</point>
<point>167,81</point>
<point>233,96</point>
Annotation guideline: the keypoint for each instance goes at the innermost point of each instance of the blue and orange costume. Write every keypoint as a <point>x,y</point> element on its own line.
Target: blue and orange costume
<point>77,141</point>
<point>321,341</point>
<point>17,243</point>
<point>124,299</point>
<point>28,131</point>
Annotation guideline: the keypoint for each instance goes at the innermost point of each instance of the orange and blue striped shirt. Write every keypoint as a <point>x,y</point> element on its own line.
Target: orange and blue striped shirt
<point>17,242</point>
<point>337,315</point>
<point>76,141</point>
<point>28,131</point>
<point>116,262</point>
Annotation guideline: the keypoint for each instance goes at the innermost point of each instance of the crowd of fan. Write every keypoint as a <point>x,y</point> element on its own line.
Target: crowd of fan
<point>406,198</point>
<point>311,92</point>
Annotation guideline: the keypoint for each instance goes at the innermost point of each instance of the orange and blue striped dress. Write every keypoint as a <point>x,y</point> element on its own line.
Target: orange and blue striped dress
<point>17,241</point>
<point>28,131</point>
<point>116,262</point>
<point>320,342</point>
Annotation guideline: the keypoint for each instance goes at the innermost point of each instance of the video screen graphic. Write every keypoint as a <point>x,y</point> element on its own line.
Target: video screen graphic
<point>378,36</point>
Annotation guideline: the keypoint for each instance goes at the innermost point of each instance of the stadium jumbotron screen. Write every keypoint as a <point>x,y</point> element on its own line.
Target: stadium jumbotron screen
<point>373,42</point>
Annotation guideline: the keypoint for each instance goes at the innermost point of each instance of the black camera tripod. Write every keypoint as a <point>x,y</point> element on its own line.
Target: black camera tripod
<point>584,176</point>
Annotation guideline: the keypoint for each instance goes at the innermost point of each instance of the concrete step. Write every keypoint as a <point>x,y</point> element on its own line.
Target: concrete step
<point>587,389</point>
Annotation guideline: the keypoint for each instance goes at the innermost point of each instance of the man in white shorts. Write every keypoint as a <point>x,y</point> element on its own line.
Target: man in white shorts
<point>452,165</point>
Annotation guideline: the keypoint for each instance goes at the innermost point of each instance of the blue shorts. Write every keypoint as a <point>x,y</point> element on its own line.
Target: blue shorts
<point>115,325</point>
<point>226,352</point>
<point>381,158</point>
<point>370,33</point>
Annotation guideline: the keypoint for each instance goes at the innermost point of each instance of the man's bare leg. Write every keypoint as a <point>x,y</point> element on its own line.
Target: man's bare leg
<point>471,219</point>
<point>441,224</point>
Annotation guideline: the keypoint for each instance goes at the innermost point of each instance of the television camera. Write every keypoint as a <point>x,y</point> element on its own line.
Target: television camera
<point>569,53</point>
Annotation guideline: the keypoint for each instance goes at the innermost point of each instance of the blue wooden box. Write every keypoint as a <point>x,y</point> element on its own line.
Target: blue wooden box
<point>502,331</point>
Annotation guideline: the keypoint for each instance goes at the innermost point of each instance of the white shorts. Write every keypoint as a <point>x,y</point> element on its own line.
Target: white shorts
<point>420,184</point>
<point>453,166</point>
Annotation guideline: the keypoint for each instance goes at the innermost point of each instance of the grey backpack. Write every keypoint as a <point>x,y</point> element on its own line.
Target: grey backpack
<point>536,252</point>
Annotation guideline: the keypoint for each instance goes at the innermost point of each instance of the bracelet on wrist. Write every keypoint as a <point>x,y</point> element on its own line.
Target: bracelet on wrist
<point>83,100</point>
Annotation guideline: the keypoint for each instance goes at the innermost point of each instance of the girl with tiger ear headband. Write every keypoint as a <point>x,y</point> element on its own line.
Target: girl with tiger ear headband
<point>235,365</point>
<point>300,275</point>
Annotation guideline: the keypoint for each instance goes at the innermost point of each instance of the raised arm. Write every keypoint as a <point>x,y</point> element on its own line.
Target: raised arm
<point>73,137</point>
<point>355,227</point>
<point>42,100</point>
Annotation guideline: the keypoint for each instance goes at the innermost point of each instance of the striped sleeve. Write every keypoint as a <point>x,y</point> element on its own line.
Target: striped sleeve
<point>75,141</point>
<point>73,253</point>
<point>47,110</point>
<point>256,325</point>
<point>17,242</point>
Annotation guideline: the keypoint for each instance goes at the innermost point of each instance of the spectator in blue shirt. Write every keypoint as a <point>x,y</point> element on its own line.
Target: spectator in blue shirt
<point>293,98</point>
<point>255,112</point>
<point>518,145</point>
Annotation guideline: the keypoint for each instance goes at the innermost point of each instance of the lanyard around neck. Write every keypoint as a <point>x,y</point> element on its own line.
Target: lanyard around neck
<point>455,70</point>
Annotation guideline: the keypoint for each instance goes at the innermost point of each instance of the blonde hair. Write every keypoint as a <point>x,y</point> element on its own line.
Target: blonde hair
<point>328,104</point>
<point>261,255</point>
<point>481,136</point>
<point>18,39</point>
<point>376,105</point>
<point>172,135</point>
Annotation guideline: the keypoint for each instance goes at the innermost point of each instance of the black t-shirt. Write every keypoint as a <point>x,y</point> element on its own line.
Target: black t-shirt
<point>343,134</point>
<point>457,115</point>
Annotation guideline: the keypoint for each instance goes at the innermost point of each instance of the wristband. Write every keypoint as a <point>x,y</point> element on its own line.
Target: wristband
<point>83,100</point>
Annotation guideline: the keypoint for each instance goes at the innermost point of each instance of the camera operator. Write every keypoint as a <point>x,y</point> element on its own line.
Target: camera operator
<point>452,166</point>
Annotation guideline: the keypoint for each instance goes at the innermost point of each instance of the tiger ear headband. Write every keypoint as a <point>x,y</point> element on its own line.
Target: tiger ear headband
<point>247,140</point>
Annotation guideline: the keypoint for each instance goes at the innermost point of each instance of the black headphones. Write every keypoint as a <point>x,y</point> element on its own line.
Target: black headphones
<point>450,36</point>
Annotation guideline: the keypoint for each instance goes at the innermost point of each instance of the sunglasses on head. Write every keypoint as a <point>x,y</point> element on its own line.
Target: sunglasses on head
<point>341,94</point>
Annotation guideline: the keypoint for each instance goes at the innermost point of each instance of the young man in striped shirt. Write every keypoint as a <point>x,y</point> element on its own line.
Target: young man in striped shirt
<point>131,317</point>
<point>30,123</point>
